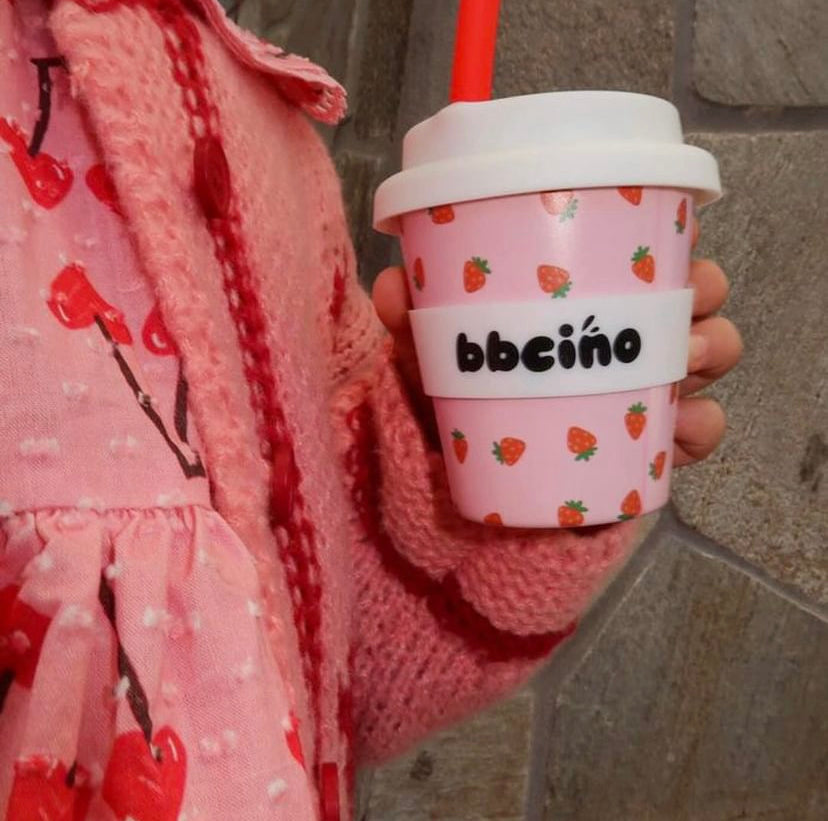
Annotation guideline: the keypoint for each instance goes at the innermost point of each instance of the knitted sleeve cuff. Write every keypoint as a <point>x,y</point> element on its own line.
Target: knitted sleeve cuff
<point>522,581</point>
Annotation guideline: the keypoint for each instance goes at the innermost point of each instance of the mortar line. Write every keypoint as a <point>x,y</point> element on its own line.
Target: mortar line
<point>705,546</point>
<point>699,114</point>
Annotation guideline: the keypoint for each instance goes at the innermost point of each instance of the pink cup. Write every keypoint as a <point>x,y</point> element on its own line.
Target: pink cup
<point>548,266</point>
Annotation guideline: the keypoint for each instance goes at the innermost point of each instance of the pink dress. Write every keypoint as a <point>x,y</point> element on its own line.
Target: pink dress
<point>135,679</point>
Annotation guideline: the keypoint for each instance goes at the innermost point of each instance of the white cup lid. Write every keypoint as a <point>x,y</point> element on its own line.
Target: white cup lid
<point>543,142</point>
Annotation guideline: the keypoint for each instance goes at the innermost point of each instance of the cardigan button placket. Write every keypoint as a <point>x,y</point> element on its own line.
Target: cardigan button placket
<point>283,485</point>
<point>329,791</point>
<point>211,177</point>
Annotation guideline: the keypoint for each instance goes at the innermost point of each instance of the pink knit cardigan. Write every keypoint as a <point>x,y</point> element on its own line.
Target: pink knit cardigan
<point>400,616</point>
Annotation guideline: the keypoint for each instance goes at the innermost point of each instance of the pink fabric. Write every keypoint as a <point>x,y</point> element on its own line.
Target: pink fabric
<point>104,494</point>
<point>379,614</point>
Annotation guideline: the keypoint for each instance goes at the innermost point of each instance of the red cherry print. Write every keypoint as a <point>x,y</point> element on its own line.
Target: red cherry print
<point>100,184</point>
<point>45,790</point>
<point>75,304</point>
<point>291,726</point>
<point>145,782</point>
<point>48,180</point>
<point>156,338</point>
<point>22,631</point>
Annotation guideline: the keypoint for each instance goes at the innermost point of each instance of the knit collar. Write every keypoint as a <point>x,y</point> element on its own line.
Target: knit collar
<point>307,85</point>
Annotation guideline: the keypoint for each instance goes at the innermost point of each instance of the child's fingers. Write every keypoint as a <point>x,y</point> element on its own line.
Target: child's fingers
<point>391,300</point>
<point>700,427</point>
<point>715,347</point>
<point>710,285</point>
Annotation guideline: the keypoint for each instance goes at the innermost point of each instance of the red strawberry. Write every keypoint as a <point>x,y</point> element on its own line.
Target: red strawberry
<point>419,274</point>
<point>674,390</point>
<point>631,193</point>
<point>560,204</point>
<point>441,214</point>
<point>155,335</point>
<point>643,264</point>
<point>635,419</point>
<point>460,445</point>
<point>631,506</point>
<point>291,728</point>
<point>144,781</point>
<point>22,631</point>
<point>47,179</point>
<point>657,465</point>
<point>474,274</point>
<point>571,514</point>
<point>681,217</point>
<point>76,303</point>
<point>554,280</point>
<point>508,450</point>
<point>493,519</point>
<point>44,790</point>
<point>581,442</point>
<point>100,184</point>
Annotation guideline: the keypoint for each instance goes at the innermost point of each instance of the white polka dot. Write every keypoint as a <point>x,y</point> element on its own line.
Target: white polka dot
<point>74,390</point>
<point>45,447</point>
<point>276,789</point>
<point>120,690</point>
<point>43,561</point>
<point>112,571</point>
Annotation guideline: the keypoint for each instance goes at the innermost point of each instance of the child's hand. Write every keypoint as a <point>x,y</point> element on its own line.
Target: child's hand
<point>715,347</point>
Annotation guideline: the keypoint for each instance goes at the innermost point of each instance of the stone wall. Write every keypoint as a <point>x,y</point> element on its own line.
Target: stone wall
<point>697,689</point>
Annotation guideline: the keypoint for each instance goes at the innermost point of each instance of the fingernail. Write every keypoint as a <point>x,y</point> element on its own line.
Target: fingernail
<point>696,351</point>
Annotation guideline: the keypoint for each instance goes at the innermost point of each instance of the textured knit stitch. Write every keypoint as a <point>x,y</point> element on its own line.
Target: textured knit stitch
<point>395,595</point>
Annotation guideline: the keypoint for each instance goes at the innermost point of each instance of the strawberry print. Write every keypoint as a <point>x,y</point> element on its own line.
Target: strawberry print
<point>631,193</point>
<point>291,728</point>
<point>441,214</point>
<point>76,304</point>
<point>419,274</point>
<point>147,768</point>
<point>631,506</point>
<point>100,184</point>
<point>508,450</point>
<point>571,514</point>
<point>657,465</point>
<point>474,274</point>
<point>493,519</point>
<point>643,264</point>
<point>155,336</point>
<point>47,180</point>
<point>582,443</point>
<point>635,420</point>
<point>22,632</point>
<point>561,204</point>
<point>144,780</point>
<point>553,280</point>
<point>45,790</point>
<point>460,445</point>
<point>681,217</point>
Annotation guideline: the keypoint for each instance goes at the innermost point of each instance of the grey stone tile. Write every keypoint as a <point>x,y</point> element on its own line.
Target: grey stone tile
<point>382,62</point>
<point>703,698</point>
<point>763,493</point>
<point>762,52</point>
<point>428,62</point>
<point>578,44</point>
<point>477,771</point>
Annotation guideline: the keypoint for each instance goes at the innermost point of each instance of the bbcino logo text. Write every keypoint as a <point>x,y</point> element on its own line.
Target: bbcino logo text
<point>541,353</point>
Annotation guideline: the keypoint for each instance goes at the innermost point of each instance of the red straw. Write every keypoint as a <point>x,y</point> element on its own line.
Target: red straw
<point>474,50</point>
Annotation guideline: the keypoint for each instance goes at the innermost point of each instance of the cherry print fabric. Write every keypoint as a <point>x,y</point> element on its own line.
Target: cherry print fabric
<point>135,680</point>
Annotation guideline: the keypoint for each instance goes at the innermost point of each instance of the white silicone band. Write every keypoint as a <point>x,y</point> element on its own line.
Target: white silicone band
<point>522,349</point>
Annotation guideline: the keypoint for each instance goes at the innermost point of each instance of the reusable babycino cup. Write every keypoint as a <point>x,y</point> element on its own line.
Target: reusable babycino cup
<point>547,244</point>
